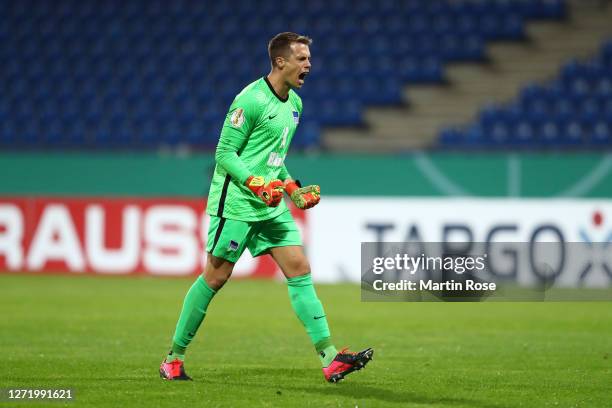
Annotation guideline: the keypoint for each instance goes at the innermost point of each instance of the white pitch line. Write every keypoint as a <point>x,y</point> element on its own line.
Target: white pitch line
<point>589,181</point>
<point>514,176</point>
<point>439,180</point>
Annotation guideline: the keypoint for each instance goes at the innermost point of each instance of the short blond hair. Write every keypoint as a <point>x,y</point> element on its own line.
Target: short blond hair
<point>280,44</point>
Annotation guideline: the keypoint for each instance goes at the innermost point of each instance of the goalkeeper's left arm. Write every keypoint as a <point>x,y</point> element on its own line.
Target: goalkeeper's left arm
<point>303,197</point>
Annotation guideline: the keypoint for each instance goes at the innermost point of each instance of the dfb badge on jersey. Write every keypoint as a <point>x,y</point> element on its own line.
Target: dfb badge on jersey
<point>237,118</point>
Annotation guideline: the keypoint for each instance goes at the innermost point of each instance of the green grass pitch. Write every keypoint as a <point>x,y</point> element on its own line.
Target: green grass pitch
<point>105,337</point>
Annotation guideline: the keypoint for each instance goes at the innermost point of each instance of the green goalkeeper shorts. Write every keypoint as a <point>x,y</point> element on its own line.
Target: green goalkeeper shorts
<point>229,238</point>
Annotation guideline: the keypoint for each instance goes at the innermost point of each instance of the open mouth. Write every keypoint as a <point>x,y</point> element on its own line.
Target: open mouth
<point>301,77</point>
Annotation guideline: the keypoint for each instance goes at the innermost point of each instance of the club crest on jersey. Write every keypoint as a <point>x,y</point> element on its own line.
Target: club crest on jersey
<point>237,118</point>
<point>233,245</point>
<point>296,117</point>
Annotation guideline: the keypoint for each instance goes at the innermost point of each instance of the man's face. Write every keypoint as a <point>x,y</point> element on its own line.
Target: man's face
<point>297,65</point>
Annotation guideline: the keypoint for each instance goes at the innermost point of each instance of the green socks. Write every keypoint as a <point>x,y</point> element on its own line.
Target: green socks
<point>309,310</point>
<point>194,309</point>
<point>304,301</point>
<point>172,356</point>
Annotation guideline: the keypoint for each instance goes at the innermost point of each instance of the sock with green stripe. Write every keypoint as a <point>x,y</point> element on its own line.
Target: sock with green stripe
<point>309,310</point>
<point>194,310</point>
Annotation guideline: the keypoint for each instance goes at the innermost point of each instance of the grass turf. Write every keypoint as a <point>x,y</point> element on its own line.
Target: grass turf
<point>105,337</point>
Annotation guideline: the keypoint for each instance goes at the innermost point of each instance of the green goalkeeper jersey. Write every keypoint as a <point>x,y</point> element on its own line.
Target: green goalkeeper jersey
<point>255,138</point>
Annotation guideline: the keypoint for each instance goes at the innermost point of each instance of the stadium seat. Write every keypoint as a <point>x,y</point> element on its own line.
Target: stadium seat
<point>573,110</point>
<point>145,74</point>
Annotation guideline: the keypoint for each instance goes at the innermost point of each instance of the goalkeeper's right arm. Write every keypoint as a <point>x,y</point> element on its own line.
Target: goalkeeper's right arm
<point>227,157</point>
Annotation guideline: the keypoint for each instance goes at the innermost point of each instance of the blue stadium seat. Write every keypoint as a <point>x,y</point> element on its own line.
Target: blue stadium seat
<point>475,136</point>
<point>525,133</point>
<point>307,135</point>
<point>601,134</point>
<point>452,137</point>
<point>572,110</point>
<point>148,73</point>
<point>551,133</point>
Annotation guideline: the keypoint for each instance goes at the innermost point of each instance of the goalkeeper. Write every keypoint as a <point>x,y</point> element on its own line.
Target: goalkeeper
<point>247,209</point>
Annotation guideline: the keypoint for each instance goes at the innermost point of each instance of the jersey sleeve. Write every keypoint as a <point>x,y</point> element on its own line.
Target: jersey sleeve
<point>284,173</point>
<point>239,123</point>
<point>299,104</point>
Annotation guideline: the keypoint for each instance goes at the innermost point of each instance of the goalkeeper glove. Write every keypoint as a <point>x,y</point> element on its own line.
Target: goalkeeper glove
<point>303,197</point>
<point>271,193</point>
